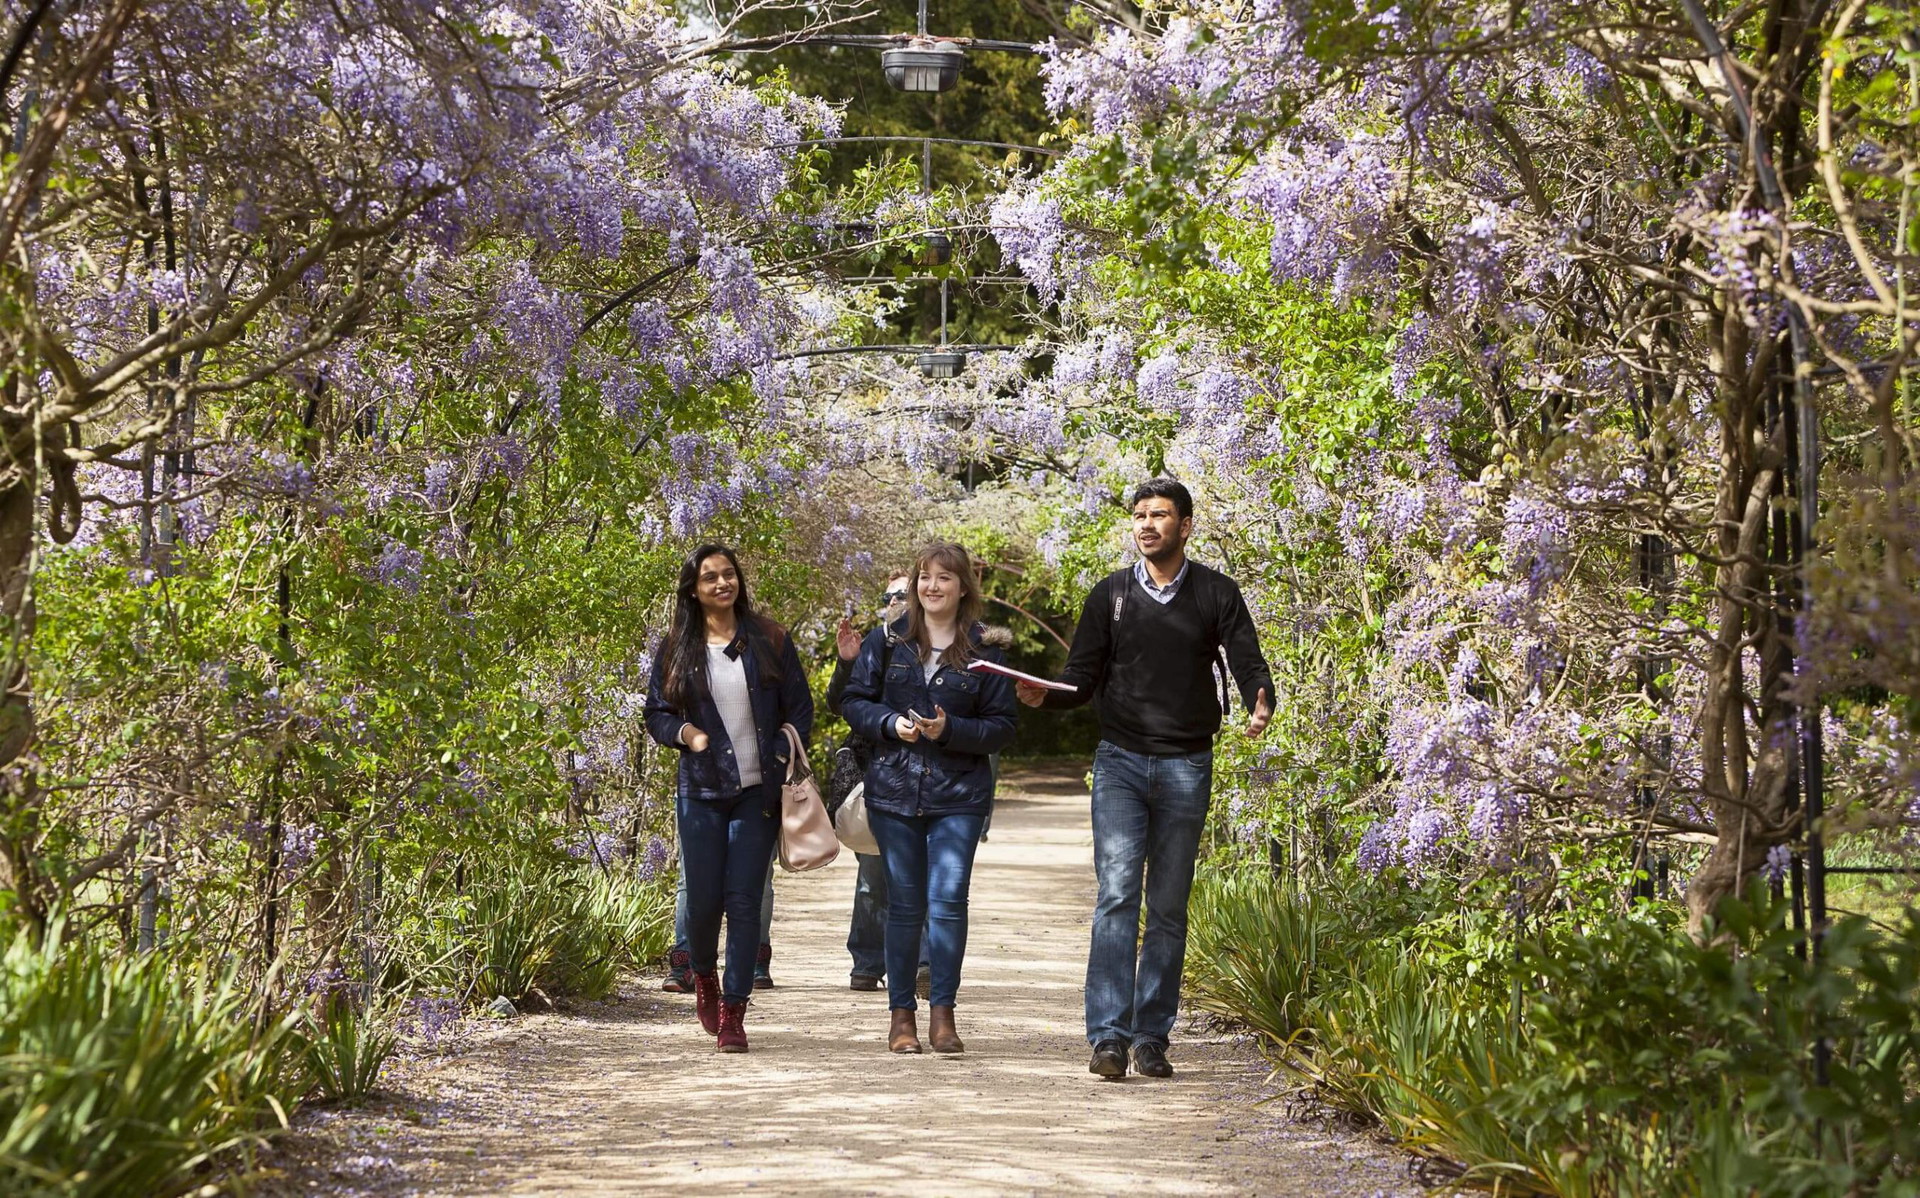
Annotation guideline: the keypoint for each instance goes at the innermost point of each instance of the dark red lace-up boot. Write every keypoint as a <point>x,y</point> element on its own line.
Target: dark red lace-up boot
<point>706,1000</point>
<point>733,1027</point>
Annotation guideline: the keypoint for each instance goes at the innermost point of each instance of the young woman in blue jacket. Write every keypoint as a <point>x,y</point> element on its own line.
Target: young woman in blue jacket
<point>723,683</point>
<point>933,723</point>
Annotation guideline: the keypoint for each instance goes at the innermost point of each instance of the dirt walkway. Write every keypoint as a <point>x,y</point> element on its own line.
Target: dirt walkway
<point>630,1098</point>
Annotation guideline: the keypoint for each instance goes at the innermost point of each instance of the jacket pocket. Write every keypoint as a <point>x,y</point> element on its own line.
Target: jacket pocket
<point>888,775</point>
<point>958,768</point>
<point>699,772</point>
<point>957,691</point>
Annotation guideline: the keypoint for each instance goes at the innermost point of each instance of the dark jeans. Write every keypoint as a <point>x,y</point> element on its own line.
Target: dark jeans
<point>867,932</point>
<point>929,860</point>
<point>724,851</point>
<point>1148,813</point>
<point>680,910</point>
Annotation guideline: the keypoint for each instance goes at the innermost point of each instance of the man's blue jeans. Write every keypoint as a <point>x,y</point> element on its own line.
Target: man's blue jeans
<point>867,932</point>
<point>725,849</point>
<point>1148,814</point>
<point>929,860</point>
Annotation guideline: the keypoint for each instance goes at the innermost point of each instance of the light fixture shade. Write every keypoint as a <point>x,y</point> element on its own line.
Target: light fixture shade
<point>923,66</point>
<point>942,365</point>
<point>936,249</point>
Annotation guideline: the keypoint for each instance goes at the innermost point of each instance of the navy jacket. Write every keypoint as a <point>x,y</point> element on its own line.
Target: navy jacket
<point>952,777</point>
<point>714,774</point>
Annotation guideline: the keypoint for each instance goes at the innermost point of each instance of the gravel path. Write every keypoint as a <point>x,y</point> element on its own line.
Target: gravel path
<point>628,1097</point>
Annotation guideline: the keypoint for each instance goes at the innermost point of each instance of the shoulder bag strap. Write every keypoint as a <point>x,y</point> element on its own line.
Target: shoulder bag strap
<point>798,768</point>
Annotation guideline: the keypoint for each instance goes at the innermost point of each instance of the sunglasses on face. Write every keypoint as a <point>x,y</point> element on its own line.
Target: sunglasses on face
<point>893,597</point>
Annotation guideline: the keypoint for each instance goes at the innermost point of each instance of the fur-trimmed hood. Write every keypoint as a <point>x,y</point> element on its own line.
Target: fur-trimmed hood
<point>994,636</point>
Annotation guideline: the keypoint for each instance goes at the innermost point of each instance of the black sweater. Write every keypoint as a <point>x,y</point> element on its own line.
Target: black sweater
<point>1148,666</point>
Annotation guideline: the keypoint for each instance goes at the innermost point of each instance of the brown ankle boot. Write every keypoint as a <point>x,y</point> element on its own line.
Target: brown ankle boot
<point>903,1036</point>
<point>940,1033</point>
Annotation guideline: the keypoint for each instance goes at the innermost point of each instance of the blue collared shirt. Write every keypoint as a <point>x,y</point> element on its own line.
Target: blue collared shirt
<point>1161,594</point>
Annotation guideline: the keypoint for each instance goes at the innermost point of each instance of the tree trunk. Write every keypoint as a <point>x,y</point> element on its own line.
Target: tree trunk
<point>19,787</point>
<point>1746,762</point>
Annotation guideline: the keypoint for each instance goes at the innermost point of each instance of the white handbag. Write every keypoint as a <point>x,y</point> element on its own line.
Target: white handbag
<point>850,823</point>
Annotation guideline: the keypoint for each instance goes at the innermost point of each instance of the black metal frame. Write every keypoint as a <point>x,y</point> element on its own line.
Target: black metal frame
<point>870,41</point>
<point>832,350</point>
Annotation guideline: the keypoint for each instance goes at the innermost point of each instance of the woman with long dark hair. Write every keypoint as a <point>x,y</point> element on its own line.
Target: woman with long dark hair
<point>934,723</point>
<point>723,683</point>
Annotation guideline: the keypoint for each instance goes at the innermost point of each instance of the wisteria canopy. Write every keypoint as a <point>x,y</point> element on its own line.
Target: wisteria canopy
<point>367,364</point>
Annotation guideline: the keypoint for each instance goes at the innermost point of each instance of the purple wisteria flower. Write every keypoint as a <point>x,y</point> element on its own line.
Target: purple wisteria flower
<point>299,843</point>
<point>437,486</point>
<point>1158,380</point>
<point>399,566</point>
<point>654,860</point>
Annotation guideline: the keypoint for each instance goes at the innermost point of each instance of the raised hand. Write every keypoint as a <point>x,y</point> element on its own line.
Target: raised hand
<point>1262,713</point>
<point>936,727</point>
<point>695,740</point>
<point>1028,693</point>
<point>846,641</point>
<point>906,730</point>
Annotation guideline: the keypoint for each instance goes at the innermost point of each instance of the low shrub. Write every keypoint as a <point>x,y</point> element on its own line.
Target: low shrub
<point>527,926</point>
<point>1658,1064</point>
<point>1255,957</point>
<point>1639,1061</point>
<point>127,1074</point>
<point>347,1044</point>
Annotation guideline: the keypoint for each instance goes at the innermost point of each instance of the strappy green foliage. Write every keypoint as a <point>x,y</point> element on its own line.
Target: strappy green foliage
<point>122,1075</point>
<point>1638,1061</point>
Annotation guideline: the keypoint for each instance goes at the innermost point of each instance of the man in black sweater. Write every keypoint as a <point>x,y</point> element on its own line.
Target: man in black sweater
<point>1148,643</point>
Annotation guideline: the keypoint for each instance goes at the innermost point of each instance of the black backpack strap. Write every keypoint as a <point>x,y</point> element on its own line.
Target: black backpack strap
<point>1117,583</point>
<point>1216,650</point>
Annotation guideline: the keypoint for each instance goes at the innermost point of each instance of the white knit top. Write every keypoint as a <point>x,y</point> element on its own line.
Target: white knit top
<point>727,680</point>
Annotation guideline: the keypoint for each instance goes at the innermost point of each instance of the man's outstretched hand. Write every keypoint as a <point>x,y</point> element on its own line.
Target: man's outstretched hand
<point>1028,693</point>
<point>1262,714</point>
<point>846,642</point>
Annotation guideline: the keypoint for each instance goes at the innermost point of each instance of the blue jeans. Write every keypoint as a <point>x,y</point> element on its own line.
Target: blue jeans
<point>867,932</point>
<point>1148,813</point>
<point>725,848</point>
<point>929,860</point>
<point>680,910</point>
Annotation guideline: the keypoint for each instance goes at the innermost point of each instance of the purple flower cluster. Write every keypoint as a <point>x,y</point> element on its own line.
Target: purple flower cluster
<point>655,860</point>
<point>598,847</point>
<point>299,843</point>
<point>1033,236</point>
<point>399,566</point>
<point>428,1018</point>
<point>1330,213</point>
<point>1535,536</point>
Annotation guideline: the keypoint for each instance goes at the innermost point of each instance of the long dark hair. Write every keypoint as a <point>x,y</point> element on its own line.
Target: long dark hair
<point>685,648</point>
<point>958,561</point>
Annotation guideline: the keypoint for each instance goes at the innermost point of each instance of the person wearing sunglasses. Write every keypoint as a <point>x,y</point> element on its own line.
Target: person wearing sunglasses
<point>867,931</point>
